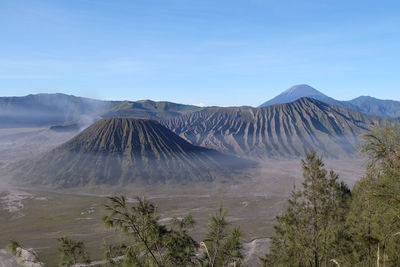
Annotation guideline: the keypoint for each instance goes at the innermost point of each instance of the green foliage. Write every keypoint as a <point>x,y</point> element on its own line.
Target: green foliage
<point>321,227</point>
<point>222,248</point>
<point>13,247</point>
<point>374,218</point>
<point>382,146</point>
<point>152,244</point>
<point>72,252</point>
<point>113,255</point>
<point>310,231</point>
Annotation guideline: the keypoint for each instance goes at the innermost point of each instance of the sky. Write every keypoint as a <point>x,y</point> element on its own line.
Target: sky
<point>204,52</point>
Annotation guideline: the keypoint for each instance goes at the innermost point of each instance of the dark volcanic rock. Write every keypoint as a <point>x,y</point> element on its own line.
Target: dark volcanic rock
<point>121,151</point>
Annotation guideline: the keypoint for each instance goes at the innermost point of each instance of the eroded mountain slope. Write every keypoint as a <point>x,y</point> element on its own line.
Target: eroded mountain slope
<point>280,130</point>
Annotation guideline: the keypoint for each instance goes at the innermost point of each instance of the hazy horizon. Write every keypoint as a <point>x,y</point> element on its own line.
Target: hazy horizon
<point>201,104</point>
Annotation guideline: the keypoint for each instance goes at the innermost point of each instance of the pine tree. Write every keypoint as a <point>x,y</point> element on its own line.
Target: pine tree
<point>374,220</point>
<point>222,248</point>
<point>151,244</point>
<point>113,255</point>
<point>310,231</point>
<point>72,252</point>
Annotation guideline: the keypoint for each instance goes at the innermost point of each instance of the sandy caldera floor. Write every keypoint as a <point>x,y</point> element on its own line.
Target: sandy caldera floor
<point>38,217</point>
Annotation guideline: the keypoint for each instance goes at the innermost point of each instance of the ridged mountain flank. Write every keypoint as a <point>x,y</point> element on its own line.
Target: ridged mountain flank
<point>121,151</point>
<point>283,130</point>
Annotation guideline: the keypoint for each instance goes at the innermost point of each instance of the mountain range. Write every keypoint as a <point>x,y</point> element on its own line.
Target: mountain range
<point>298,120</point>
<point>65,110</point>
<point>48,110</point>
<point>365,104</point>
<point>281,130</point>
<point>146,142</point>
<point>78,112</point>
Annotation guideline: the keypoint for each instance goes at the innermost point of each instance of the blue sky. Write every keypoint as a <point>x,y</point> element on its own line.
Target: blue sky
<point>214,52</point>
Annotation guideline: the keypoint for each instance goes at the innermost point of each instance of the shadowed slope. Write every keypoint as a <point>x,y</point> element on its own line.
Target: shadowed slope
<point>281,130</point>
<point>122,151</point>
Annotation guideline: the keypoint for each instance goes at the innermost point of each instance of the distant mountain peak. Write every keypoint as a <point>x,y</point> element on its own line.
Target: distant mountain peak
<point>295,92</point>
<point>302,90</point>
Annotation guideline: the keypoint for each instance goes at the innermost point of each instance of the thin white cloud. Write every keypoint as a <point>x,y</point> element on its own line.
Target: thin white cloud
<point>201,104</point>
